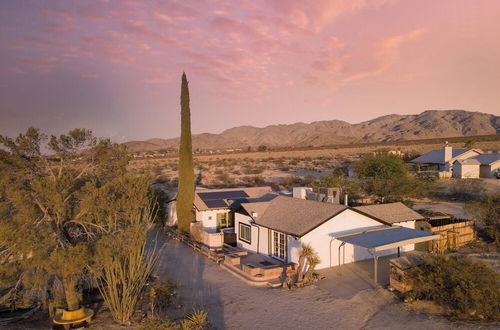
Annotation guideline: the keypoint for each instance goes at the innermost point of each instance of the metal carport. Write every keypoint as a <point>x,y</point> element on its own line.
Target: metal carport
<point>385,238</point>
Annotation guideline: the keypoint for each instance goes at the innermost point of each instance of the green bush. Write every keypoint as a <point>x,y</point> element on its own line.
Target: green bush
<point>469,289</point>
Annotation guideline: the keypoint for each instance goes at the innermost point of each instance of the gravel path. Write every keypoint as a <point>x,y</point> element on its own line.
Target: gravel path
<point>234,305</point>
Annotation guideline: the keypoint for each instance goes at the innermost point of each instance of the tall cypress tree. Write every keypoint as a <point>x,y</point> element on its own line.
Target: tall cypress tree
<point>185,195</point>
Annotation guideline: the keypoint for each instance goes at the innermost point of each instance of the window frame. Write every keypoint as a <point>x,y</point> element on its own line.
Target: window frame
<point>244,225</point>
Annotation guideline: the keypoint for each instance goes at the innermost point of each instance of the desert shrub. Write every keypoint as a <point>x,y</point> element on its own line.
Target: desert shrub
<point>308,180</point>
<point>293,180</point>
<point>162,295</point>
<point>487,211</point>
<point>465,189</point>
<point>224,178</point>
<point>253,180</point>
<point>468,288</point>
<point>253,169</point>
<point>195,321</point>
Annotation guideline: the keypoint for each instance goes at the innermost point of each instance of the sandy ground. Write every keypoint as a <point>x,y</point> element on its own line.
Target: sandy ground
<point>234,305</point>
<point>455,209</point>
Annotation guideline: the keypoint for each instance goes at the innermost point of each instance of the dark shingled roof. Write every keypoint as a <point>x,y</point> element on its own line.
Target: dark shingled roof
<point>487,159</point>
<point>391,212</point>
<point>437,156</point>
<point>292,215</point>
<point>469,161</point>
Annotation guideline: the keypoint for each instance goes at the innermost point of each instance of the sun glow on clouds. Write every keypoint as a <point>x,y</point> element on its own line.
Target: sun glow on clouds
<point>273,54</point>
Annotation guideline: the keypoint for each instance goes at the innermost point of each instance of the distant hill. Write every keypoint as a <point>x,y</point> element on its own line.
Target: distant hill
<point>426,125</point>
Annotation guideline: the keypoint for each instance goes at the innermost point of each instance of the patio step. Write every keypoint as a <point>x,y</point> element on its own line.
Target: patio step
<point>249,279</point>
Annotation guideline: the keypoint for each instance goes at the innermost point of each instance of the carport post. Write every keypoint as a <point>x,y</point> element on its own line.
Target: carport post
<point>375,262</point>
<point>340,246</point>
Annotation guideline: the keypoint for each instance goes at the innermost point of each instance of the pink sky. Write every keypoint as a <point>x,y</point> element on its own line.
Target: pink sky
<point>115,66</point>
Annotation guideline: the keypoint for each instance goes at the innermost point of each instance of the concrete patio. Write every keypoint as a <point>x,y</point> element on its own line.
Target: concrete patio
<point>256,269</point>
<point>347,280</point>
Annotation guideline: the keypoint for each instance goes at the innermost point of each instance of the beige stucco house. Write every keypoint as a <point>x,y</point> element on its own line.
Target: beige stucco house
<point>466,168</point>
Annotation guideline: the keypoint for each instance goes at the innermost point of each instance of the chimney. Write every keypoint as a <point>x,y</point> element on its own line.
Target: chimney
<point>448,152</point>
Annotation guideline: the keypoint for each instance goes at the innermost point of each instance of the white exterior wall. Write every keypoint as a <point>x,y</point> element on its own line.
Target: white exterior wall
<point>463,171</point>
<point>209,218</point>
<point>259,236</point>
<point>322,239</point>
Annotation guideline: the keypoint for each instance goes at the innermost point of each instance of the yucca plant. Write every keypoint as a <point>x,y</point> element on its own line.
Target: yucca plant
<point>306,252</point>
<point>197,320</point>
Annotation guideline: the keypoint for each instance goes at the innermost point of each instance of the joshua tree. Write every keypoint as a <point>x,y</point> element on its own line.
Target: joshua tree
<point>185,194</point>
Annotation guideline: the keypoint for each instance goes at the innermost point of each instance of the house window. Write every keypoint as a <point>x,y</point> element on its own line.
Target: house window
<point>222,220</point>
<point>245,233</point>
<point>278,245</point>
<point>225,220</point>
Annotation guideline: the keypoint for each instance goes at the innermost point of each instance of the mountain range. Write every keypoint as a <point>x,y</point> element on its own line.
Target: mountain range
<point>426,125</point>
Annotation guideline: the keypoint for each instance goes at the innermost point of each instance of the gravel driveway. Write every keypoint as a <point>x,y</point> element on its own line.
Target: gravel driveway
<point>231,304</point>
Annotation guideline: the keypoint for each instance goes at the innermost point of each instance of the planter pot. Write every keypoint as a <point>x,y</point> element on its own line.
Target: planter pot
<point>67,318</point>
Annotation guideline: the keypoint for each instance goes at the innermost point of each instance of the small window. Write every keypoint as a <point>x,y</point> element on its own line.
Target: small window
<point>222,220</point>
<point>245,233</point>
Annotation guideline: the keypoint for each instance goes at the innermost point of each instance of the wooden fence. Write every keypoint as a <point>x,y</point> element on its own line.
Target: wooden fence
<point>453,235</point>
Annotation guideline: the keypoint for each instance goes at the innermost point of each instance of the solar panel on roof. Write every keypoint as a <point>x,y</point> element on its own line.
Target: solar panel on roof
<point>213,203</point>
<point>222,195</point>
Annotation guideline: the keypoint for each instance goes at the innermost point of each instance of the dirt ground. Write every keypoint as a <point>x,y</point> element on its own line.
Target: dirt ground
<point>232,304</point>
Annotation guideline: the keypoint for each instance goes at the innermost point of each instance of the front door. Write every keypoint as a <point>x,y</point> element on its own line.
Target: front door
<point>278,246</point>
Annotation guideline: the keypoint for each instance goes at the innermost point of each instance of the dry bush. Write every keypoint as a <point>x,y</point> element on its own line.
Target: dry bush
<point>465,189</point>
<point>468,288</point>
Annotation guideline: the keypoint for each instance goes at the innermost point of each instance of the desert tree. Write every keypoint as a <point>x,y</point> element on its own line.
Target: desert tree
<point>48,213</point>
<point>386,177</point>
<point>486,210</point>
<point>185,194</point>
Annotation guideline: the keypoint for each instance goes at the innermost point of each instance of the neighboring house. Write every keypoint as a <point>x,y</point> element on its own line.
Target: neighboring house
<point>442,159</point>
<point>214,207</point>
<point>490,164</point>
<point>278,228</point>
<point>466,168</point>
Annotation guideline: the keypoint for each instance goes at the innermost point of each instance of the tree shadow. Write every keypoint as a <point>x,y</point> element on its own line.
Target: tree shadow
<point>187,268</point>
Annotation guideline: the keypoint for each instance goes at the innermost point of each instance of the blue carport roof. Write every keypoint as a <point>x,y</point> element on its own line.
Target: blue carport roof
<point>387,238</point>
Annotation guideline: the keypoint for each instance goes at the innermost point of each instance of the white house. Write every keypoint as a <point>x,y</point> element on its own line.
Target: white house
<point>278,228</point>
<point>213,207</point>
<point>466,168</point>
<point>443,159</point>
<point>490,164</point>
